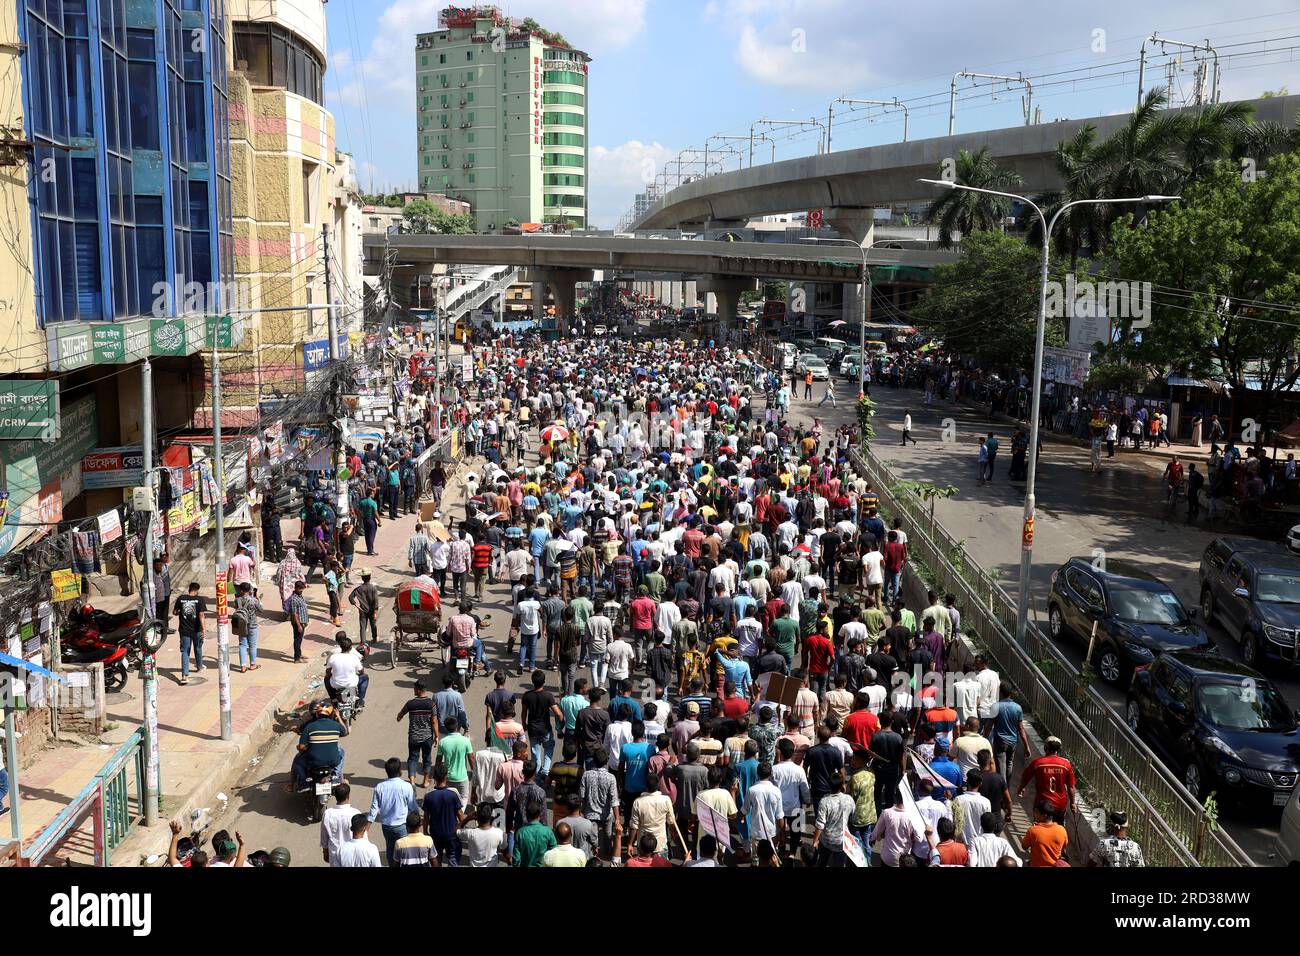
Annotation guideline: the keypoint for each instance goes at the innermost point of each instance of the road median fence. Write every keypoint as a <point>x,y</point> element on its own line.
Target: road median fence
<point>1117,767</point>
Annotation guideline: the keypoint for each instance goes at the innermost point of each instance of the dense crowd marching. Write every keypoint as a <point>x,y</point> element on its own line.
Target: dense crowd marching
<point>713,595</point>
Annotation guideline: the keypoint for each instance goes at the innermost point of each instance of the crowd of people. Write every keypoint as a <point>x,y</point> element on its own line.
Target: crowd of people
<point>722,663</point>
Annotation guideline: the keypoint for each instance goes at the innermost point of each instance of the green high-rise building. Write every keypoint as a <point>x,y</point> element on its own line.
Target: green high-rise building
<point>502,118</point>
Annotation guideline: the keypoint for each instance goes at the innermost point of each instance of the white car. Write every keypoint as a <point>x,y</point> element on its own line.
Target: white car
<point>810,362</point>
<point>1293,540</point>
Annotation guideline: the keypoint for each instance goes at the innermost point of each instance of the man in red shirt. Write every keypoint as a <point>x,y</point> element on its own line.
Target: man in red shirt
<point>861,725</point>
<point>733,705</point>
<point>641,612</point>
<point>821,654</point>
<point>1053,778</point>
<point>691,542</point>
<point>895,552</point>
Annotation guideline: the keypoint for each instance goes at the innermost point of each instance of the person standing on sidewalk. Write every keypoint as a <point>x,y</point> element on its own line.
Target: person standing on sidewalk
<point>189,611</point>
<point>247,607</point>
<point>299,615</point>
<point>162,576</point>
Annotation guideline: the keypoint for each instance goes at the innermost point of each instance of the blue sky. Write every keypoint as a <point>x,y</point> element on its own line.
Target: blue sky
<point>668,73</point>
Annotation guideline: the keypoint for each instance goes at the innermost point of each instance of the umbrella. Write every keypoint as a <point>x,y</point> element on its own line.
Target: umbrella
<point>837,323</point>
<point>555,433</point>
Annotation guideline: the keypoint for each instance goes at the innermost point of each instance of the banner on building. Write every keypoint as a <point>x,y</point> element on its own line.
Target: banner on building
<point>113,468</point>
<point>29,410</point>
<point>110,526</point>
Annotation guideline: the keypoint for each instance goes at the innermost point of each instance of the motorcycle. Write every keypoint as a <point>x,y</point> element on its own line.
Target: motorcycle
<point>115,658</point>
<point>86,624</point>
<point>349,705</point>
<point>463,666</point>
<point>320,784</point>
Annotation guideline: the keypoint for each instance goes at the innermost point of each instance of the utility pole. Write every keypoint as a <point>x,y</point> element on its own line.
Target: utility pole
<point>11,760</point>
<point>219,512</point>
<point>342,499</point>
<point>437,361</point>
<point>149,604</point>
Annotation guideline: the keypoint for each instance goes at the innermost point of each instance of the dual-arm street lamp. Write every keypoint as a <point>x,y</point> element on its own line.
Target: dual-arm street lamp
<point>1027,531</point>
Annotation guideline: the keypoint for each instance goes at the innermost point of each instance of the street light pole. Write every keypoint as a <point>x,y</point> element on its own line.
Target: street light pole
<point>219,513</point>
<point>1027,528</point>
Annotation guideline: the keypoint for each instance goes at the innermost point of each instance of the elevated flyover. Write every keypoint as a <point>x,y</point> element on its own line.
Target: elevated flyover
<point>848,185</point>
<point>725,269</point>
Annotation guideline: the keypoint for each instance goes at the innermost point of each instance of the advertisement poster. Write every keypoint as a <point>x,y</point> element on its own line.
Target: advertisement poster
<point>110,526</point>
<point>65,584</point>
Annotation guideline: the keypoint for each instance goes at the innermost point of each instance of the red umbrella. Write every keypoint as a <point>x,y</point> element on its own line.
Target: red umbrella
<point>555,433</point>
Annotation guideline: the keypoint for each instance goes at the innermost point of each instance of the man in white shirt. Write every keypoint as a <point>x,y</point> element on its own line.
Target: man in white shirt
<point>873,571</point>
<point>344,669</point>
<point>336,824</point>
<point>990,846</point>
<point>359,851</point>
<point>618,655</point>
<point>990,687</point>
<point>764,807</point>
<point>966,695</point>
<point>972,806</point>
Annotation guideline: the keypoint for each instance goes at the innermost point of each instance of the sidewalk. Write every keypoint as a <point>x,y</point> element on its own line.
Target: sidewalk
<point>195,762</point>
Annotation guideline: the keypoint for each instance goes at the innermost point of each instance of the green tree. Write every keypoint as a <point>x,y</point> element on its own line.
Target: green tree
<point>986,303</point>
<point>1145,156</point>
<point>1236,248</point>
<point>422,216</point>
<point>957,210</point>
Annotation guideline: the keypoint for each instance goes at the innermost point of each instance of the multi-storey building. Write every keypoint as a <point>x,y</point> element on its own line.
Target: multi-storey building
<point>502,118</point>
<point>115,183</point>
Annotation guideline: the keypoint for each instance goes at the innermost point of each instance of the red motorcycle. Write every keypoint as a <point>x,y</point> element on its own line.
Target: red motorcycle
<point>114,657</point>
<point>92,636</point>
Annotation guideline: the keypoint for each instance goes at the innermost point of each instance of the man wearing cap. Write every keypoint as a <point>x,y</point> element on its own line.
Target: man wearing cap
<point>365,598</point>
<point>1117,849</point>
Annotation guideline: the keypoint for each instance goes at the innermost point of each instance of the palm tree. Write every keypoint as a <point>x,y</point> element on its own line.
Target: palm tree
<point>1259,141</point>
<point>1145,156</point>
<point>1211,135</point>
<point>1084,227</point>
<point>960,211</point>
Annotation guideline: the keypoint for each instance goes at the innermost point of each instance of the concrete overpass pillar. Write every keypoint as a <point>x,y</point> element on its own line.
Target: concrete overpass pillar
<point>852,222</point>
<point>710,303</point>
<point>565,292</point>
<point>724,295</point>
<point>690,294</point>
<point>539,302</point>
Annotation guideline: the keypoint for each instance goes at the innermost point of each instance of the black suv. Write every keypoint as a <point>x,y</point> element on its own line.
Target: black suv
<point>1137,616</point>
<point>1223,725</point>
<point>1254,589</point>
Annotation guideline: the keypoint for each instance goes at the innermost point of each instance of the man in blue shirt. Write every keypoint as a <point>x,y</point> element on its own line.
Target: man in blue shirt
<point>393,803</point>
<point>1008,731</point>
<point>449,703</point>
<point>626,699</point>
<point>948,769</point>
<point>633,760</point>
<point>537,539</point>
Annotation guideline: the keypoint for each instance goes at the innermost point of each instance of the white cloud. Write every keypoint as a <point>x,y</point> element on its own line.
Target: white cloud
<point>339,60</point>
<point>616,174</point>
<point>594,26</point>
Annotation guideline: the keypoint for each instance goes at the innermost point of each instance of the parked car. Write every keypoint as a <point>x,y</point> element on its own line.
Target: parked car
<point>1138,617</point>
<point>1222,725</point>
<point>814,363</point>
<point>1253,588</point>
<point>848,366</point>
<point>1289,831</point>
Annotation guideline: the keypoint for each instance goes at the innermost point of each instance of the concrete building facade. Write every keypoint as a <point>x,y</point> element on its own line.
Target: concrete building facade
<point>284,166</point>
<point>502,119</point>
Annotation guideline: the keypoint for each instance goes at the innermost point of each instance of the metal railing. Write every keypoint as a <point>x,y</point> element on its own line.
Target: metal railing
<point>1112,762</point>
<point>112,801</point>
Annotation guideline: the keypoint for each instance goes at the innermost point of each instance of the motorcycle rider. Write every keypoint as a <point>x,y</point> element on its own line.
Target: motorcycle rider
<point>318,744</point>
<point>345,670</point>
<point>462,630</point>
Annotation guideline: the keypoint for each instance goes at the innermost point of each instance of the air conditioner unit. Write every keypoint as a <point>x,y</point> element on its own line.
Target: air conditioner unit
<point>464,165</point>
<point>446,125</point>
<point>464,125</point>
<point>462,84</point>
<point>462,101</point>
